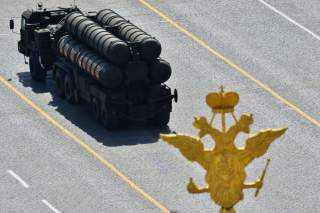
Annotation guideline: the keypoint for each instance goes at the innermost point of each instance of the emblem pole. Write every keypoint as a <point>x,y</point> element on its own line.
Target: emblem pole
<point>262,177</point>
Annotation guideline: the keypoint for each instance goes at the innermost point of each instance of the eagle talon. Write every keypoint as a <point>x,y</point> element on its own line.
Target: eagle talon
<point>194,189</point>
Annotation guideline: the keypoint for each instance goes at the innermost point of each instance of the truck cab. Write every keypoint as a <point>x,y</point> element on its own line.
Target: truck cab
<point>36,37</point>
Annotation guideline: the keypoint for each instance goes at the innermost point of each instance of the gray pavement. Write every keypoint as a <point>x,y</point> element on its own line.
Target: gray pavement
<point>54,167</point>
<point>263,43</point>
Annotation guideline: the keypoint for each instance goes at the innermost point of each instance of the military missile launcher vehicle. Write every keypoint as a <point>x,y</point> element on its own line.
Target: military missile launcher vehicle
<point>100,58</point>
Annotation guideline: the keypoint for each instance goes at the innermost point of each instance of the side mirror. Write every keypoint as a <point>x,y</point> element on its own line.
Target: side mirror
<point>11,23</point>
<point>175,95</point>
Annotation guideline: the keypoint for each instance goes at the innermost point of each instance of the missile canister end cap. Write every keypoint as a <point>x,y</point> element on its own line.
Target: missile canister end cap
<point>119,53</point>
<point>150,49</point>
<point>160,71</point>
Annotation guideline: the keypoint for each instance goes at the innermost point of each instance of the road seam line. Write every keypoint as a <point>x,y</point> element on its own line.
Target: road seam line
<point>230,63</point>
<point>18,178</point>
<point>289,19</point>
<point>82,144</point>
<point>50,206</point>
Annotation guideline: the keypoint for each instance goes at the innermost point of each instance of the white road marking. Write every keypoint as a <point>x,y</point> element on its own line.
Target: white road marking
<point>21,181</point>
<point>1,34</point>
<point>50,206</point>
<point>290,19</point>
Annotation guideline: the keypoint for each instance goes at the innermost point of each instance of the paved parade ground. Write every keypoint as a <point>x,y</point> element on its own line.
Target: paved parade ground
<point>55,158</point>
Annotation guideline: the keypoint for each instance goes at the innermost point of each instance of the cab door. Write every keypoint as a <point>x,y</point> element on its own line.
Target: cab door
<point>22,42</point>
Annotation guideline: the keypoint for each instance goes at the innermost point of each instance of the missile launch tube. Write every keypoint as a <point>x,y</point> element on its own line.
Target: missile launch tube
<point>98,38</point>
<point>150,47</point>
<point>108,75</point>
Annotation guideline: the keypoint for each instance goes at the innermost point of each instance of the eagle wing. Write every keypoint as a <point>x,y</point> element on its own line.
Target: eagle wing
<point>190,147</point>
<point>258,144</point>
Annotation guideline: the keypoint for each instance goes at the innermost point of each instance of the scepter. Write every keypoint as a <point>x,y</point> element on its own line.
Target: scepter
<point>262,176</point>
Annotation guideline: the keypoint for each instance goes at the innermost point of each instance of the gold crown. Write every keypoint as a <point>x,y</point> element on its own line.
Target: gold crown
<point>222,102</point>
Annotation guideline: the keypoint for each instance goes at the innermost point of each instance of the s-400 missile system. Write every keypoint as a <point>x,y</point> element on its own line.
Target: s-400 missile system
<point>100,58</point>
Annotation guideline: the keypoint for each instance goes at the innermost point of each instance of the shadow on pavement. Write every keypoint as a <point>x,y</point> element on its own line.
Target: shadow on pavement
<point>81,116</point>
<point>37,87</point>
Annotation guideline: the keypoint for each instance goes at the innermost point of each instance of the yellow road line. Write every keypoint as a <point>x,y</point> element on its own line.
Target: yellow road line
<point>85,146</point>
<point>230,63</point>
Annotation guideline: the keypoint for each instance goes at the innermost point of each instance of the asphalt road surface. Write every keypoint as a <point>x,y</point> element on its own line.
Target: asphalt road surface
<point>54,158</point>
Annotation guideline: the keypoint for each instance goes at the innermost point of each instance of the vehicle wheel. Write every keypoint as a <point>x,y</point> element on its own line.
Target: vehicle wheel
<point>59,79</point>
<point>161,118</point>
<point>69,89</point>
<point>37,73</point>
<point>96,109</point>
<point>109,120</point>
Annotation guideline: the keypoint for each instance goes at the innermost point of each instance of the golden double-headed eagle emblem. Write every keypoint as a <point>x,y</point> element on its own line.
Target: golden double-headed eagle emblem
<point>224,164</point>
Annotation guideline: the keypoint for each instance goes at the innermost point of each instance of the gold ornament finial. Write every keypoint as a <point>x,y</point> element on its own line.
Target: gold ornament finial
<point>225,163</point>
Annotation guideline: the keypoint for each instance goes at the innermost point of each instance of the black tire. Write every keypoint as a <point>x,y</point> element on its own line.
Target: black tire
<point>59,79</point>
<point>161,118</point>
<point>69,89</point>
<point>110,121</point>
<point>96,109</point>
<point>37,72</point>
